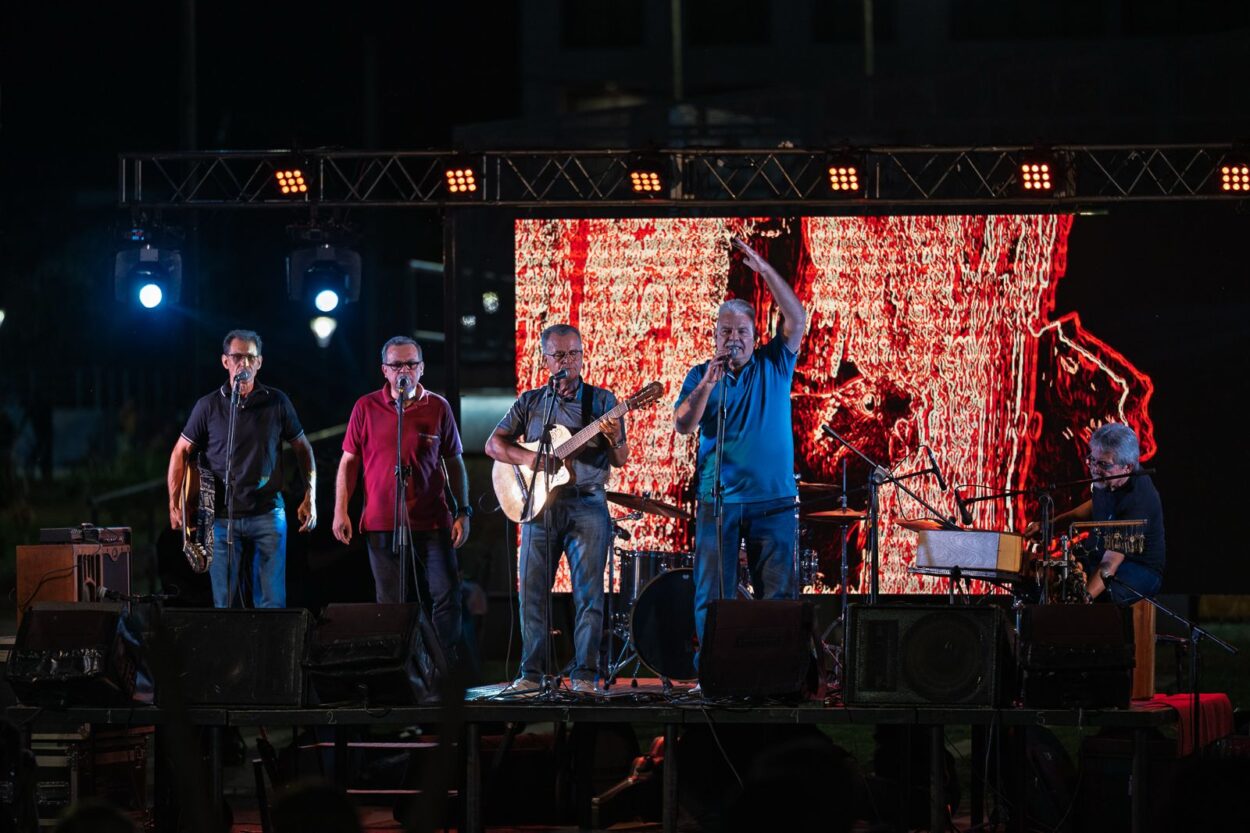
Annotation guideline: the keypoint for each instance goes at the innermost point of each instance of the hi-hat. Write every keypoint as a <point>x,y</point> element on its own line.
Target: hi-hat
<point>648,505</point>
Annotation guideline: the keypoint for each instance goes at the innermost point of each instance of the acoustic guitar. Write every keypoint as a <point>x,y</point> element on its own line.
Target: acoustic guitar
<point>512,482</point>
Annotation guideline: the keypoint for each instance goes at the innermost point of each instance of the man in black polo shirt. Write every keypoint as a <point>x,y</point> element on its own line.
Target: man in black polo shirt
<point>264,419</point>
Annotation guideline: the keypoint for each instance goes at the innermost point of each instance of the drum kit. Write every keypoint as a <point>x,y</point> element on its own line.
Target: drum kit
<point>652,614</point>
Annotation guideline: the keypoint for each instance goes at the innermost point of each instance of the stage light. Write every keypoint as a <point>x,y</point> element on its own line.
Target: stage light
<point>291,181</point>
<point>1235,178</point>
<point>327,300</point>
<point>646,175</point>
<point>1041,173</point>
<point>846,175</point>
<point>151,295</point>
<point>150,275</point>
<point>490,302</point>
<point>461,178</point>
<point>324,275</point>
<point>323,326</point>
<point>1,318</point>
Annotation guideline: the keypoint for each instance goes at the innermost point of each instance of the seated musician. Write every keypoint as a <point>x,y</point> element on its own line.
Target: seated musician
<point>1114,450</point>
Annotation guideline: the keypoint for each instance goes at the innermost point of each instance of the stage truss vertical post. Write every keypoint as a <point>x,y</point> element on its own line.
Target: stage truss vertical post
<point>451,313</point>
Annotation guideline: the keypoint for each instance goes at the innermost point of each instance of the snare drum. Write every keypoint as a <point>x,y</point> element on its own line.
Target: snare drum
<point>662,625</point>
<point>639,567</point>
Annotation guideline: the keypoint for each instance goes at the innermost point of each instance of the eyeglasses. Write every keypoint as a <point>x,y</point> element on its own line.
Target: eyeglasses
<point>401,365</point>
<point>561,355</point>
<point>240,358</point>
<point>1099,465</point>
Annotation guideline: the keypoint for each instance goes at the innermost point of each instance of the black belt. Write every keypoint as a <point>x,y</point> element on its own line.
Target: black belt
<point>574,490</point>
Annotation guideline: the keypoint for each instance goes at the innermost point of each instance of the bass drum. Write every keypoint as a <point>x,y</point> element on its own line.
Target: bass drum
<point>662,625</point>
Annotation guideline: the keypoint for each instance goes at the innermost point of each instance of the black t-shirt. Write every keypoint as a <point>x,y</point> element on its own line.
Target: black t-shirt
<point>1136,500</point>
<point>266,417</point>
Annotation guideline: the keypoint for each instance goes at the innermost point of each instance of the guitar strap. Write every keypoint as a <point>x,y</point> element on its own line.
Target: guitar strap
<point>588,398</point>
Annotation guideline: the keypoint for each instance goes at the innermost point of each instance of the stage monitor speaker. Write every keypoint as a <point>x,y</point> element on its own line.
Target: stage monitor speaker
<point>756,649</point>
<point>373,654</point>
<point>1076,656</point>
<point>232,657</point>
<point>925,654</point>
<point>72,654</point>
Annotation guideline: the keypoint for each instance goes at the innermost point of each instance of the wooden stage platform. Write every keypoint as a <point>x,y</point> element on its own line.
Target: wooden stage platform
<point>647,704</point>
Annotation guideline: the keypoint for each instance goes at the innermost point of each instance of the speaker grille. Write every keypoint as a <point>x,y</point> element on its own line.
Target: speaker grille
<point>925,654</point>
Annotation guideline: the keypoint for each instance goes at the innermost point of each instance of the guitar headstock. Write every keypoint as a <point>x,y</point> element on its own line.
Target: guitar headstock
<point>646,396</point>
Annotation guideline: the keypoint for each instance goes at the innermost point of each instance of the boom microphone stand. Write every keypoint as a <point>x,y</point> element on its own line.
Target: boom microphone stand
<point>1196,633</point>
<point>877,476</point>
<point>401,532</point>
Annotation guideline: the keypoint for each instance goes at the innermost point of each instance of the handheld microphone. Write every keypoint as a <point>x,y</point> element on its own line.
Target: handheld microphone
<point>244,375</point>
<point>965,514</point>
<point>936,471</point>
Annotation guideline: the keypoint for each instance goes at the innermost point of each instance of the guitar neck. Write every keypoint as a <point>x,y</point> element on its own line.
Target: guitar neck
<point>573,443</point>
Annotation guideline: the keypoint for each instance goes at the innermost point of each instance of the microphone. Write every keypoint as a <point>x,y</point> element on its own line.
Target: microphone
<point>404,382</point>
<point>936,471</point>
<point>621,532</point>
<point>965,514</point>
<point>244,375</point>
<point>561,375</point>
<point>1106,574</point>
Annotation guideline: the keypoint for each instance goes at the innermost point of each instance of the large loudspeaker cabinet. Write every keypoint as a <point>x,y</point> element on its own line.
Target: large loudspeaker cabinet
<point>232,657</point>
<point>756,649</point>
<point>375,654</point>
<point>926,654</point>
<point>72,655</point>
<point>1076,656</point>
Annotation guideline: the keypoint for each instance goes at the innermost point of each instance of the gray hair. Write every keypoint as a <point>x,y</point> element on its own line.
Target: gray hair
<point>1120,440</point>
<point>241,335</point>
<point>398,341</point>
<point>558,330</point>
<point>736,305</point>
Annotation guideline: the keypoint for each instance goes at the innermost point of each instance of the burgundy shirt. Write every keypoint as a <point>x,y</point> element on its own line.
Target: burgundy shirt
<point>429,435</point>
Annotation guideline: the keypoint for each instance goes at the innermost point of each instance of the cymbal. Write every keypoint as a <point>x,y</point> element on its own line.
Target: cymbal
<point>920,524</point>
<point>838,515</point>
<point>648,505</point>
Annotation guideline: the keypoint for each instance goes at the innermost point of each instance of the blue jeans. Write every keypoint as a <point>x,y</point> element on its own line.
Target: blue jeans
<point>770,543</point>
<point>261,541</point>
<point>1143,580</point>
<point>437,579</point>
<point>579,526</point>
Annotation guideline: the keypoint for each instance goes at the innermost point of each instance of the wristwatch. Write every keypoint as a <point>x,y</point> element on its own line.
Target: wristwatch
<point>466,511</point>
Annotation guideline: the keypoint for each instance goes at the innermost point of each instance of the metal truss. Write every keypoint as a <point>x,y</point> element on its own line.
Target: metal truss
<point>695,178</point>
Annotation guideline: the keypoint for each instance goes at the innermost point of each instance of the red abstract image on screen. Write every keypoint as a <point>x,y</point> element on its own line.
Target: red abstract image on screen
<point>931,330</point>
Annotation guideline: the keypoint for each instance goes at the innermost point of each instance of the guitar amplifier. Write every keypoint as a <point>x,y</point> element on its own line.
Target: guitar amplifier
<point>73,572</point>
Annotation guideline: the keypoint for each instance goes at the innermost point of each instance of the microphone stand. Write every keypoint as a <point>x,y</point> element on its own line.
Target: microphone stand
<point>401,533</point>
<point>718,486</point>
<point>231,574</point>
<point>1196,633</point>
<point>877,476</point>
<point>547,682</point>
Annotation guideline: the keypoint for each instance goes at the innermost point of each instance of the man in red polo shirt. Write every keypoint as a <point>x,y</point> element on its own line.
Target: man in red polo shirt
<point>432,461</point>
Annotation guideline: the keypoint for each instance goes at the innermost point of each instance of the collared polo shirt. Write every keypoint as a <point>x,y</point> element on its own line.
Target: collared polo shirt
<point>591,464</point>
<point>265,418</point>
<point>429,434</point>
<point>758,460</point>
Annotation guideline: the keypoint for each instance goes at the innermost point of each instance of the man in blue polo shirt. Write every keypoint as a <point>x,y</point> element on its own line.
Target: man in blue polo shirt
<point>757,447</point>
<point>265,417</point>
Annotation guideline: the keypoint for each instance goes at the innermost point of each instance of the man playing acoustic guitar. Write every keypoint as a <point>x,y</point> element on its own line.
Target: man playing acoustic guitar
<point>574,518</point>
